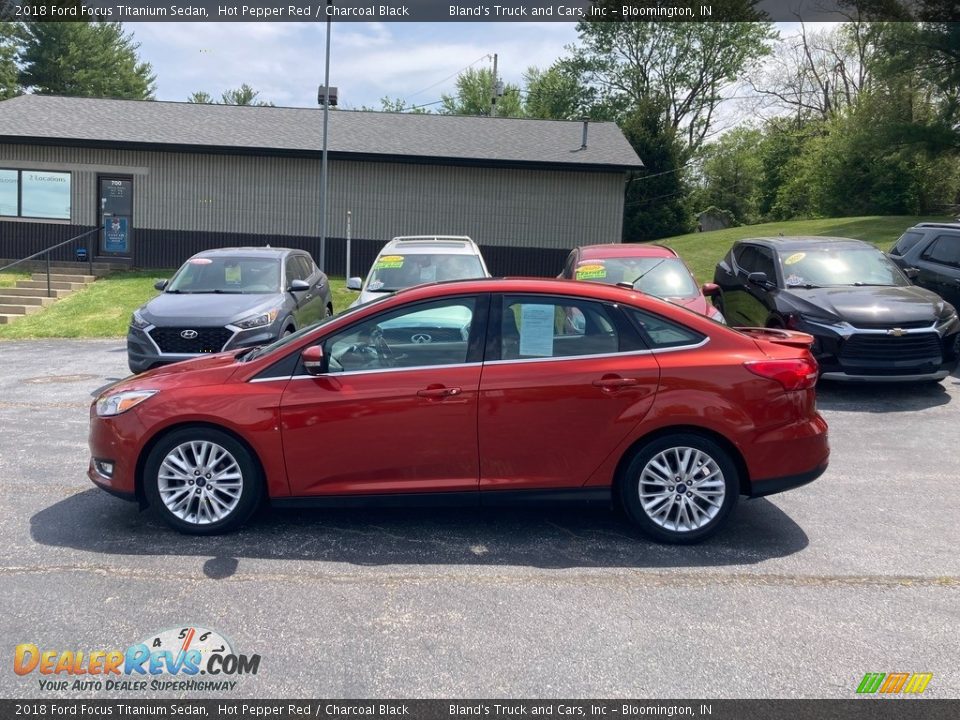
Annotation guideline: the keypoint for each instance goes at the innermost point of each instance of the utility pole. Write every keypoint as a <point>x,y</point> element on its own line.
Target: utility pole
<point>493,89</point>
<point>323,161</point>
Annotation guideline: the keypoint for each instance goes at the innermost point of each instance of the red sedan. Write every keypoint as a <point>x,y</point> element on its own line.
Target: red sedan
<point>653,269</point>
<point>474,392</point>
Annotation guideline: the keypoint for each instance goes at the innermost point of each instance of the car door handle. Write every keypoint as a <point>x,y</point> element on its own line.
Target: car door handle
<point>441,392</point>
<point>613,383</point>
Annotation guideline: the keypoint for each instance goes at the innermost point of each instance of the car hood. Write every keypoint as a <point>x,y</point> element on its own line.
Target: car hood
<point>206,309</point>
<point>870,305</point>
<point>200,371</point>
<point>697,303</point>
<point>366,296</point>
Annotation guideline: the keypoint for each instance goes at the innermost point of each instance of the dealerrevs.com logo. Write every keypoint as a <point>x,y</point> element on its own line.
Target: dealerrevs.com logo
<point>181,659</point>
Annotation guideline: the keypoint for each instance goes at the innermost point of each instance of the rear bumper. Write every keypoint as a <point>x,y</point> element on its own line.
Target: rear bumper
<point>761,488</point>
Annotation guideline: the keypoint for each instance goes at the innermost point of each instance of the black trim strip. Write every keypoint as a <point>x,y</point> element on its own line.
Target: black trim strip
<point>470,498</point>
<point>762,488</point>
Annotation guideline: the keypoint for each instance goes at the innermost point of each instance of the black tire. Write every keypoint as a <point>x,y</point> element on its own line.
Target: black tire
<point>194,523</point>
<point>658,529</point>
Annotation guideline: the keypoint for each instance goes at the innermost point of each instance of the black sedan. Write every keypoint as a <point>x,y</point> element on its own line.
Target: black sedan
<point>869,322</point>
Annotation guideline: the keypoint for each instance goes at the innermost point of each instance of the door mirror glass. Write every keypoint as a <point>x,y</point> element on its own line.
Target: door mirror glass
<point>313,359</point>
<point>299,286</point>
<point>160,285</point>
<point>354,283</point>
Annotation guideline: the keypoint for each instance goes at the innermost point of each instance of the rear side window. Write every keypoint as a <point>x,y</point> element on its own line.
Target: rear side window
<point>944,250</point>
<point>659,333</point>
<point>548,327</point>
<point>906,242</point>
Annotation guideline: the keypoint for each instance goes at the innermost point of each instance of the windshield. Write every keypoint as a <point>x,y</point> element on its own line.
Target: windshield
<point>396,271</point>
<point>662,277</point>
<point>227,275</point>
<point>830,267</point>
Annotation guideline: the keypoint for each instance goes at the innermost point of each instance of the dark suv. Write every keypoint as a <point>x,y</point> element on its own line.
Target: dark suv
<point>934,250</point>
<point>226,299</point>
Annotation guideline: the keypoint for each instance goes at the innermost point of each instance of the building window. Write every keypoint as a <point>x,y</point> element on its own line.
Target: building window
<point>35,194</point>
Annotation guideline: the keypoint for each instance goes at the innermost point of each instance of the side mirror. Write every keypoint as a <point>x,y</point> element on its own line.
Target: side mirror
<point>354,283</point>
<point>313,359</point>
<point>912,273</point>
<point>759,278</point>
<point>299,286</point>
<point>711,289</point>
<point>160,285</point>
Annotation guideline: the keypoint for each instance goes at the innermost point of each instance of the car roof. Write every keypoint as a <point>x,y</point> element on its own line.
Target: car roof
<point>940,225</point>
<point>623,250</point>
<point>248,251</point>
<point>787,243</point>
<point>422,244</point>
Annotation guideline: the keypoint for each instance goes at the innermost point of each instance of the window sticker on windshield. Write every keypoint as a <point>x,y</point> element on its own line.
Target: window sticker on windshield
<point>375,285</point>
<point>389,262</point>
<point>592,271</point>
<point>231,274</point>
<point>795,258</point>
<point>200,261</point>
<point>794,279</point>
<point>536,330</point>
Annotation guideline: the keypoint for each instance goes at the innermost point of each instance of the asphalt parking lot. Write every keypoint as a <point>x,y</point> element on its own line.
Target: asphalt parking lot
<point>799,596</point>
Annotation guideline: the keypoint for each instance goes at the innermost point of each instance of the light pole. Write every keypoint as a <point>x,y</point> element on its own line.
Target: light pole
<point>323,161</point>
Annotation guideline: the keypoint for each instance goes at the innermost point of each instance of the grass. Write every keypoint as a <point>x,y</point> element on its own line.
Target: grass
<point>703,251</point>
<point>103,309</point>
<point>8,278</point>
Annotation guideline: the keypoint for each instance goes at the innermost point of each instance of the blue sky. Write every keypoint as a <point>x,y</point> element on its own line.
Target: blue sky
<point>284,61</point>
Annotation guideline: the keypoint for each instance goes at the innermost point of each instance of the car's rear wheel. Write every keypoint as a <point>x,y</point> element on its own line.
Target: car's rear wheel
<point>202,481</point>
<point>680,488</point>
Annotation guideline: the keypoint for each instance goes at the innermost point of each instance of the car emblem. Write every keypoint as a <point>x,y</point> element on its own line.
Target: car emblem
<point>421,338</point>
<point>896,332</point>
<point>189,334</point>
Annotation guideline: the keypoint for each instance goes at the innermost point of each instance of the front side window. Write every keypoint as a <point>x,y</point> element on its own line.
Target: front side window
<point>35,194</point>
<point>907,241</point>
<point>944,250</point>
<point>532,328</point>
<point>425,335</point>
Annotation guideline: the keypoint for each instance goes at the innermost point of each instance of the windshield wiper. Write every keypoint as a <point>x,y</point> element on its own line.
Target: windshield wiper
<point>648,271</point>
<point>215,292</point>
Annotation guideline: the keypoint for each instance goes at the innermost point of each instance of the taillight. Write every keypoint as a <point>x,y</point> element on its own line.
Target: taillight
<point>796,374</point>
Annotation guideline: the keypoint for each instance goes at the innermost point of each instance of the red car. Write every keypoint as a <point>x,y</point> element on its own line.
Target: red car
<point>653,269</point>
<point>474,392</point>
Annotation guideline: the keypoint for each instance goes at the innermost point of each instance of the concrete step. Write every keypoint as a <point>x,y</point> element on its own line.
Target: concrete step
<point>63,277</point>
<point>7,319</point>
<point>19,309</point>
<point>70,268</point>
<point>35,292</point>
<point>24,300</point>
<point>42,285</point>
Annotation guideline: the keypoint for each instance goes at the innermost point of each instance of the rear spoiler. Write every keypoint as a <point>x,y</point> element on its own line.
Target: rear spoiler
<point>790,338</point>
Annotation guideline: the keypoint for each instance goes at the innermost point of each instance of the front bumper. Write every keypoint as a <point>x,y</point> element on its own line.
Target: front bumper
<point>144,353</point>
<point>116,440</point>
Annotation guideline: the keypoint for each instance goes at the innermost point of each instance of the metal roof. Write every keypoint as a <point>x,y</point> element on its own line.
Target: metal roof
<point>298,131</point>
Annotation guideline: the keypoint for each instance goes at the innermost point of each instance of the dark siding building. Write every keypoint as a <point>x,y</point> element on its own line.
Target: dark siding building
<point>166,180</point>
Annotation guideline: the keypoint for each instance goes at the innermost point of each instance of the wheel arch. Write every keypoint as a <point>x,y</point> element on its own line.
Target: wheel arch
<point>735,455</point>
<point>164,432</point>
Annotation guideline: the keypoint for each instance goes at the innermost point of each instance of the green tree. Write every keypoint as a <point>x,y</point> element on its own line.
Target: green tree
<point>84,59</point>
<point>243,95</point>
<point>475,88</point>
<point>730,175</point>
<point>9,45</point>
<point>200,98</point>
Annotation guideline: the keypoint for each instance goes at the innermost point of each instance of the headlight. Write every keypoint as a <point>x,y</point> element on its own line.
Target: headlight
<point>821,320</point>
<point>258,320</point>
<point>137,321</point>
<point>944,323</point>
<point>122,401</point>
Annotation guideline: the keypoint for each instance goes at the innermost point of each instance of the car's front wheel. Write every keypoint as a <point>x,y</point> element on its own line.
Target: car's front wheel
<point>202,481</point>
<point>680,488</point>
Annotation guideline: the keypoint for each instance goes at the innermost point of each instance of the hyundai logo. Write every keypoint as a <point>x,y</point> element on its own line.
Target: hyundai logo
<point>189,334</point>
<point>421,338</point>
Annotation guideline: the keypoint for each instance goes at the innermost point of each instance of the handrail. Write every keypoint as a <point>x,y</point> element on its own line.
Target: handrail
<point>54,247</point>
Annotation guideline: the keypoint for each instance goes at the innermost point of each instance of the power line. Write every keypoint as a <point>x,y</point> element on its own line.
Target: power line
<point>439,82</point>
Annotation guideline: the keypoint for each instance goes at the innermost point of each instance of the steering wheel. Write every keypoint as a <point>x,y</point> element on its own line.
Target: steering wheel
<point>384,353</point>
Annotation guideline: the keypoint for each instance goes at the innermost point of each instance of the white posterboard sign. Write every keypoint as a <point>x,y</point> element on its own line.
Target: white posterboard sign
<point>536,330</point>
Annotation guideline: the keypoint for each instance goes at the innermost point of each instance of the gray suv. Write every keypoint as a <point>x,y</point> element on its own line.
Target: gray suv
<point>226,299</point>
